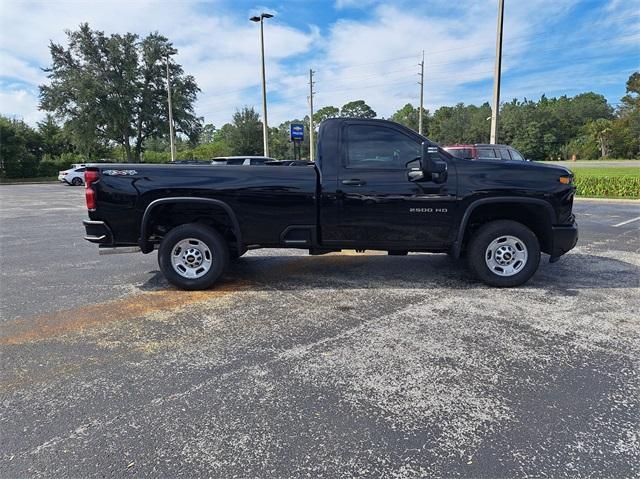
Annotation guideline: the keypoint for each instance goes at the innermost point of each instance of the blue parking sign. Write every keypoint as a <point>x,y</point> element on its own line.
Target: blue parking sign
<point>296,132</point>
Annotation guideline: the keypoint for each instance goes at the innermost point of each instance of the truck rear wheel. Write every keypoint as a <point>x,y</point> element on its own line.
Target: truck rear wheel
<point>504,253</point>
<point>193,256</point>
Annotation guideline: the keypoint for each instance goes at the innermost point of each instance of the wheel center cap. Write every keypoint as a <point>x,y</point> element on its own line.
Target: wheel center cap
<point>505,255</point>
<point>192,258</point>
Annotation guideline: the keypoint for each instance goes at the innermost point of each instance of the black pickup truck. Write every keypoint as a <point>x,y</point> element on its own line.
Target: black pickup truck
<point>375,185</point>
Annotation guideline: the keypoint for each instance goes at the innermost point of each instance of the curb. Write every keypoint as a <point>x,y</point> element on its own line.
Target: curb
<point>51,182</point>
<point>608,200</point>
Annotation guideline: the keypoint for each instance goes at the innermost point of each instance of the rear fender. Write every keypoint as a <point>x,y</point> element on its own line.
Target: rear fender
<point>143,241</point>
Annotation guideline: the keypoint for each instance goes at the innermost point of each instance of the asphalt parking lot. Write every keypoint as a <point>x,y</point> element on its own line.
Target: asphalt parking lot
<point>342,365</point>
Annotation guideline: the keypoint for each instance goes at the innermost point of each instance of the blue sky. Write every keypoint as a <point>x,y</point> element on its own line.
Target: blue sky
<point>360,49</point>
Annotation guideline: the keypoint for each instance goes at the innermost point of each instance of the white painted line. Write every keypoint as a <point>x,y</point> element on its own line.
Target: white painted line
<point>627,222</point>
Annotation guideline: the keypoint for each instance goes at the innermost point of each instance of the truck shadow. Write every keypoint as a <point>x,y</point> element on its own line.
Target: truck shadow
<point>263,273</point>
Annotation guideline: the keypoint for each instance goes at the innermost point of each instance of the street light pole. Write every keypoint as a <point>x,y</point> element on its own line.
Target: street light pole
<point>420,111</point>
<point>265,128</point>
<point>171,132</point>
<point>495,107</point>
<point>311,126</point>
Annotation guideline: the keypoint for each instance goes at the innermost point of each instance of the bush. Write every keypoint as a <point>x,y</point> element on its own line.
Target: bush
<point>156,157</point>
<point>585,148</point>
<point>208,151</point>
<point>608,186</point>
<point>50,166</point>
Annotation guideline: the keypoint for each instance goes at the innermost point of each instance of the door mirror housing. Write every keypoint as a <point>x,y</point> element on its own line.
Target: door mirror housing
<point>432,166</point>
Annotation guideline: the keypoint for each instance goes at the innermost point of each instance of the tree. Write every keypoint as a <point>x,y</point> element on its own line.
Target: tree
<point>601,131</point>
<point>113,89</point>
<point>626,128</point>
<point>20,149</point>
<point>357,109</point>
<point>409,116</point>
<point>244,135</point>
<point>207,134</point>
<point>460,124</point>
<point>54,139</point>
<point>324,113</point>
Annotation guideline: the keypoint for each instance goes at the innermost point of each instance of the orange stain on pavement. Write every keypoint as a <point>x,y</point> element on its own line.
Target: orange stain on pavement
<point>73,320</point>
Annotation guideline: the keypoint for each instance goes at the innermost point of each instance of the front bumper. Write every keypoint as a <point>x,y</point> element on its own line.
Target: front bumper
<point>565,238</point>
<point>98,232</point>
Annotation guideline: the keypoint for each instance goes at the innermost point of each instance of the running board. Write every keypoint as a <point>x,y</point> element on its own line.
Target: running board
<point>119,250</point>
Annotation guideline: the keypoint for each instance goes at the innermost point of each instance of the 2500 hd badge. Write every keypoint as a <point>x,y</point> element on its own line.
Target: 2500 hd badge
<point>427,210</point>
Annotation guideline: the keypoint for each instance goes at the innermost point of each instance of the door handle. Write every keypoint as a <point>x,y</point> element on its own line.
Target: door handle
<point>354,182</point>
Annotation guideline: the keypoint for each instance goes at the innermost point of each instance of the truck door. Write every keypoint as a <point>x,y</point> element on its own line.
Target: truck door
<point>378,204</point>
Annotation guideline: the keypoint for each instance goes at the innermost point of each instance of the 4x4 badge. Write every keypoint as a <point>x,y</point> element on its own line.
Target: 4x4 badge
<point>120,172</point>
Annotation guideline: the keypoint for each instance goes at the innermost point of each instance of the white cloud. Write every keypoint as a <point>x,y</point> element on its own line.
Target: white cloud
<point>20,104</point>
<point>221,50</point>
<point>373,56</point>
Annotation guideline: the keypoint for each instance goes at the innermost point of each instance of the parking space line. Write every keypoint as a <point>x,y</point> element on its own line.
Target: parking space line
<point>627,222</point>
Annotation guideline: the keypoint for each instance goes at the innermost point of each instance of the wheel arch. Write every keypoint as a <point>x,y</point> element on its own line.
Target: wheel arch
<point>538,215</point>
<point>157,205</point>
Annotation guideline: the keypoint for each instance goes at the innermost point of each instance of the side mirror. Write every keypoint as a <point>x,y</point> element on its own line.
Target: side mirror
<point>433,168</point>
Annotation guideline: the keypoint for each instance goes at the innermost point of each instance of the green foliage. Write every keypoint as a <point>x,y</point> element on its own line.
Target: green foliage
<point>608,186</point>
<point>20,148</point>
<point>602,171</point>
<point>542,129</point>
<point>50,166</point>
<point>610,181</point>
<point>357,109</point>
<point>460,124</point>
<point>113,89</point>
<point>207,133</point>
<point>409,116</point>
<point>244,134</point>
<point>156,157</point>
<point>208,151</point>
<point>325,113</point>
<point>55,140</point>
<point>583,147</point>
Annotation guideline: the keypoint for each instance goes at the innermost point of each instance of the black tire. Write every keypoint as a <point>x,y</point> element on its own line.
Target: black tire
<point>480,257</point>
<point>217,250</point>
<point>76,181</point>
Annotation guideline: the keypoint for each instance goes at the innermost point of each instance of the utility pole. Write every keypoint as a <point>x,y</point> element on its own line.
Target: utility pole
<point>265,128</point>
<point>171,133</point>
<point>420,112</point>
<point>495,107</point>
<point>311,127</point>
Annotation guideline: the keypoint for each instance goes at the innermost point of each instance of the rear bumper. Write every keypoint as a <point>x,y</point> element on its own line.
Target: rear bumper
<point>98,232</point>
<point>565,238</point>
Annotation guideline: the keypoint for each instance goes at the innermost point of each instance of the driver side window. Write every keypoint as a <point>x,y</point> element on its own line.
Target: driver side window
<point>379,147</point>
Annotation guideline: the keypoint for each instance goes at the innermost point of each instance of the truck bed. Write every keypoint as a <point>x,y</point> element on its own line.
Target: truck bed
<point>265,199</point>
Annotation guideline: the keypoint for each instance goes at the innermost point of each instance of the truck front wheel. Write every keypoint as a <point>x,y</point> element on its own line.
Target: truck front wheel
<point>193,256</point>
<point>504,253</point>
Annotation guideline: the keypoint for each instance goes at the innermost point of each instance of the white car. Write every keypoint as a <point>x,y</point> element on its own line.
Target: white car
<point>73,176</point>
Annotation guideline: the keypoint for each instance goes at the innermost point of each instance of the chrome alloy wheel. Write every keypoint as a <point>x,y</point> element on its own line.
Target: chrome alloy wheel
<point>191,258</point>
<point>506,255</point>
